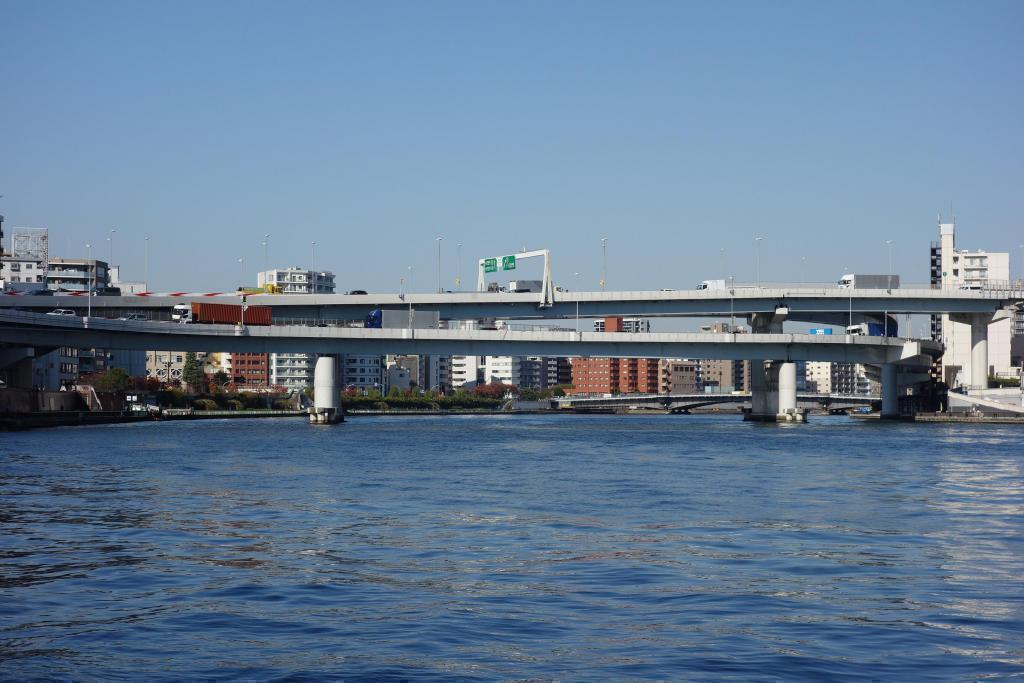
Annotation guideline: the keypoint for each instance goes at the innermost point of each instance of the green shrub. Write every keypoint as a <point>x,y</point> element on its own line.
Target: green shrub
<point>204,404</point>
<point>235,404</point>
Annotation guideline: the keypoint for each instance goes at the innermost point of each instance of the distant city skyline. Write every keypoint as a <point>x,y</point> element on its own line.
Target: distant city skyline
<point>674,130</point>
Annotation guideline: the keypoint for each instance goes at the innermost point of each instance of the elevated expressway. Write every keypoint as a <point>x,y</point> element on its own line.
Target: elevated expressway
<point>773,389</point>
<point>822,305</point>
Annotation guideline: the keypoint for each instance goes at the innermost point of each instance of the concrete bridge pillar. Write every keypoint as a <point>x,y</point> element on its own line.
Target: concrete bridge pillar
<point>787,388</point>
<point>773,393</point>
<point>979,352</point>
<point>890,391</point>
<point>326,393</point>
<point>758,389</point>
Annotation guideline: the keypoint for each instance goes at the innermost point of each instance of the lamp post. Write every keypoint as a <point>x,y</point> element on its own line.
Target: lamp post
<point>266,262</point>
<point>439,289</point>
<point>241,272</point>
<point>145,251</point>
<point>888,245</point>
<point>111,240</point>
<point>458,265</point>
<point>803,269</point>
<point>409,299</point>
<point>577,275</point>
<point>312,257</point>
<point>88,265</point>
<point>604,262</point>
<point>1021,278</point>
<point>757,260</point>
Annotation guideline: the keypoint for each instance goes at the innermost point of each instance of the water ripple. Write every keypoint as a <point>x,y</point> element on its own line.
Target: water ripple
<point>512,548</point>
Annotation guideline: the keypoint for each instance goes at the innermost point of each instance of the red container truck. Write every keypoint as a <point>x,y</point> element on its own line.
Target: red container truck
<point>230,314</point>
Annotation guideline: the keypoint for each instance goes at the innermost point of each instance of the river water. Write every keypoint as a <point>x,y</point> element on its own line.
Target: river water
<point>491,548</point>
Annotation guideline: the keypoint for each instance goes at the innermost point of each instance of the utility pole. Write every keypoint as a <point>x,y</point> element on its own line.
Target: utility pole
<point>757,261</point>
<point>604,262</point>
<point>439,288</point>
<point>89,276</point>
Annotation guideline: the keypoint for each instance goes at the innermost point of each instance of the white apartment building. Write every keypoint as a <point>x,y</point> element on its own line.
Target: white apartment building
<point>295,280</point>
<point>294,371</point>
<point>961,268</point>
<point>819,376</point>
<point>464,370</point>
<point>502,370</point>
<point>18,269</point>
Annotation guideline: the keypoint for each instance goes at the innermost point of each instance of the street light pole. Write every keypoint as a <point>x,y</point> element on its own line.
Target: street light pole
<point>241,272</point>
<point>111,240</point>
<point>458,266</point>
<point>577,275</point>
<point>312,258</point>
<point>145,250</point>
<point>604,262</point>
<point>439,289</point>
<point>888,244</point>
<point>1021,278</point>
<point>409,299</point>
<point>88,264</point>
<point>266,262</point>
<point>757,261</point>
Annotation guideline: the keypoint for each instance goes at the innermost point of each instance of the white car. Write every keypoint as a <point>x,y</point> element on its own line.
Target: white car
<point>61,311</point>
<point>134,316</point>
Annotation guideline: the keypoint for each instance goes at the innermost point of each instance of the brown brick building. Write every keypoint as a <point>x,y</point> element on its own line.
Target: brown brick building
<point>251,369</point>
<point>615,375</point>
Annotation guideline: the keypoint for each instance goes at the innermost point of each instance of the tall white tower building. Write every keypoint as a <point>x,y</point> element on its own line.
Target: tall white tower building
<point>969,270</point>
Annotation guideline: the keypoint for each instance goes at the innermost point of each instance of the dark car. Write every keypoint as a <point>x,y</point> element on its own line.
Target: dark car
<point>357,291</point>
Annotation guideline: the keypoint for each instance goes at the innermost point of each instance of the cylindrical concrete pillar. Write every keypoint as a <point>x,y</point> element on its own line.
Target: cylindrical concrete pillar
<point>758,388</point>
<point>787,388</point>
<point>890,391</point>
<point>979,352</point>
<point>326,396</point>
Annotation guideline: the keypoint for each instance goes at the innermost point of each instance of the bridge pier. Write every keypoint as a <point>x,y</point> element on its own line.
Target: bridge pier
<point>326,393</point>
<point>890,391</point>
<point>979,351</point>
<point>773,393</point>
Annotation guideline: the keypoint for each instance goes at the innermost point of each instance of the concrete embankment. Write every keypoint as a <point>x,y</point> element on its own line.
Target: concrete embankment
<point>964,418</point>
<point>189,414</point>
<point>66,418</point>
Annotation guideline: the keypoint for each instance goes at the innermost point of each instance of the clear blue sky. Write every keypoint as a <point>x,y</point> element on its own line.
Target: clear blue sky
<point>674,129</point>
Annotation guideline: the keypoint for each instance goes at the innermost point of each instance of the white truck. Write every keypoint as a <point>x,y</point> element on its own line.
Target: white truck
<point>862,281</point>
<point>181,313</point>
<point>711,284</point>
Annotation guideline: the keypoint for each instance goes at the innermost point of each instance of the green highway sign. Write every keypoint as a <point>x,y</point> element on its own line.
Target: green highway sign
<point>490,265</point>
<point>508,262</point>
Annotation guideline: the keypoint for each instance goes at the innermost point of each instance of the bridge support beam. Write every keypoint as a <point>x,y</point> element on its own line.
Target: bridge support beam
<point>979,352</point>
<point>326,393</point>
<point>773,393</point>
<point>890,392</point>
